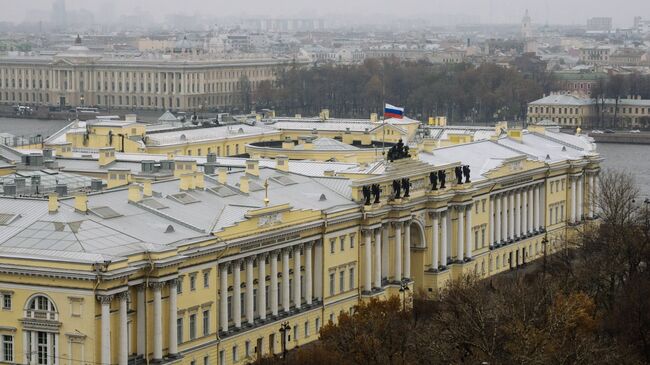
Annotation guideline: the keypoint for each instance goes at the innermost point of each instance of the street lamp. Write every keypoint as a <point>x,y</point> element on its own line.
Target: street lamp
<point>403,289</point>
<point>545,244</point>
<point>284,328</point>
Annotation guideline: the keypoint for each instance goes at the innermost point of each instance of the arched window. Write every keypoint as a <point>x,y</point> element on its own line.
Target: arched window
<point>41,307</point>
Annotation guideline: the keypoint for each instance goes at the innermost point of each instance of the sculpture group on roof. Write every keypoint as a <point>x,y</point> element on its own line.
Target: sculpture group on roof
<point>398,151</point>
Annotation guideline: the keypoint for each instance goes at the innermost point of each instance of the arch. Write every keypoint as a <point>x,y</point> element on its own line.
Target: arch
<point>417,235</point>
<point>41,306</point>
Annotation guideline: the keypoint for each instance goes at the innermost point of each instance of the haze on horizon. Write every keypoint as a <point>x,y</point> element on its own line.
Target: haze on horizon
<point>568,12</point>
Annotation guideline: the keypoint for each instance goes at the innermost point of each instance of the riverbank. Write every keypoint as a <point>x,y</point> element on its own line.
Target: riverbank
<point>622,137</point>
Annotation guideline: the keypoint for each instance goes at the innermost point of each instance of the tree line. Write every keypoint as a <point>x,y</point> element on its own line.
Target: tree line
<point>464,93</point>
<point>589,303</point>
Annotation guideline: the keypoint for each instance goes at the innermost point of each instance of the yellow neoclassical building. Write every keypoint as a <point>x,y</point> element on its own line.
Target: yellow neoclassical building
<point>204,268</point>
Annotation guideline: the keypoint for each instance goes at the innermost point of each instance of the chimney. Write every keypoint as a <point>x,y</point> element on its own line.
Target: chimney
<point>223,175</point>
<point>134,193</point>
<point>187,182</point>
<point>9,190</point>
<point>298,116</point>
<point>308,145</point>
<point>253,167</point>
<point>287,144</point>
<point>199,182</point>
<point>373,117</point>
<point>282,163</point>
<point>516,134</point>
<point>81,203</point>
<point>52,203</point>
<point>106,156</point>
<point>146,188</point>
<point>243,184</point>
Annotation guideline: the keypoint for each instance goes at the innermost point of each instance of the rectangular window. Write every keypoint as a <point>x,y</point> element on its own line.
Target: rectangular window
<point>317,325</point>
<point>332,244</point>
<point>179,330</point>
<point>306,329</point>
<point>332,284</point>
<point>295,331</point>
<point>206,360</point>
<point>235,355</point>
<point>7,348</point>
<point>206,322</point>
<point>342,281</point>
<point>351,278</point>
<point>222,357</point>
<point>6,301</point>
<point>332,317</point>
<point>206,279</point>
<point>342,239</point>
<point>351,241</point>
<point>247,348</point>
<point>476,239</point>
<point>192,326</point>
<point>192,282</point>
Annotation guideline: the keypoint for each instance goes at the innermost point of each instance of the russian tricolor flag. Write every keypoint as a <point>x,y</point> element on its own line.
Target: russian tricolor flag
<point>391,111</point>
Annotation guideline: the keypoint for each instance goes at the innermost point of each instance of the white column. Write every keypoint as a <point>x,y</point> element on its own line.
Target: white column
<point>590,209</point>
<point>308,274</point>
<point>273,294</point>
<point>286,299</point>
<point>444,235</point>
<point>398,251</point>
<point>596,191</point>
<point>491,203</point>
<point>378,244</point>
<point>574,199</point>
<point>497,225</point>
<point>318,263</point>
<point>385,250</point>
<point>261,285</point>
<point>581,183</point>
<point>511,215</point>
<point>236,293</point>
<point>173,315</point>
<point>249,297</point>
<point>524,212</point>
<point>531,209</point>
<point>105,301</point>
<point>536,209</point>
<point>460,244</point>
<point>157,322</point>
<point>504,217</point>
<point>367,282</point>
<point>517,213</point>
<point>141,325</point>
<point>297,297</point>
<point>407,249</point>
<point>468,232</point>
<point>34,349</point>
<point>435,260</point>
<point>223,290</point>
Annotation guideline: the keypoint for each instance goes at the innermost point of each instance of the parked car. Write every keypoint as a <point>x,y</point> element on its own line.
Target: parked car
<point>609,131</point>
<point>635,131</point>
<point>596,131</point>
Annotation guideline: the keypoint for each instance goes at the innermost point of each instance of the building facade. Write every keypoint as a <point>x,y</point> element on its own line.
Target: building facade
<point>574,111</point>
<point>206,268</point>
<point>79,77</point>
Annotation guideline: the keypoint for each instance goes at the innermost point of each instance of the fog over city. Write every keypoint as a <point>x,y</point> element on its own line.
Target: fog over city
<point>476,11</point>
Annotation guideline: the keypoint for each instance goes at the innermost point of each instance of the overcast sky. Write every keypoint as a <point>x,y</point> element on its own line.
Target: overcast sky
<point>487,11</point>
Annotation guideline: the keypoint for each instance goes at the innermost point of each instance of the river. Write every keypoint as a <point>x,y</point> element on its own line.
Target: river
<point>632,158</point>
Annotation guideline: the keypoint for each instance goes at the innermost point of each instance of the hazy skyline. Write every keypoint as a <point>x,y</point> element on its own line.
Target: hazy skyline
<point>487,11</point>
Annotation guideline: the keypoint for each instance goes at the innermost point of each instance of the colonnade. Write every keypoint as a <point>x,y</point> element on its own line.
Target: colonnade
<point>313,252</point>
<point>516,214</point>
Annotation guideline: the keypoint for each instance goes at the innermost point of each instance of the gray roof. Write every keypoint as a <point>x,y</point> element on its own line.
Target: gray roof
<point>107,230</point>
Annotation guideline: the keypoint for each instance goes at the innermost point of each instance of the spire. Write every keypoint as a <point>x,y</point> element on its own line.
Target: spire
<point>78,40</point>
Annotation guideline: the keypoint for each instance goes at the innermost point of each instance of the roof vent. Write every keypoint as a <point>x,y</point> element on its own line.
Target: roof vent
<point>322,198</point>
<point>147,166</point>
<point>96,184</point>
<point>548,157</point>
<point>170,229</point>
<point>9,189</point>
<point>563,148</point>
<point>212,157</point>
<point>61,189</point>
